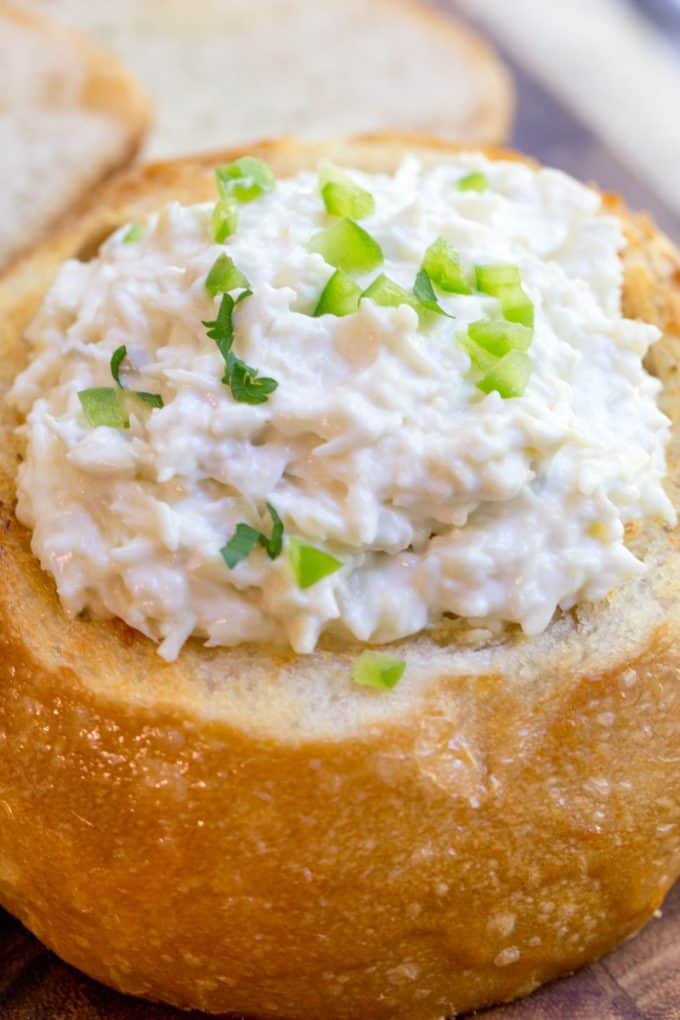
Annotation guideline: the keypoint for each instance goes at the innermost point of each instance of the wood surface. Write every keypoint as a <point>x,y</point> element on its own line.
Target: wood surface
<point>640,981</point>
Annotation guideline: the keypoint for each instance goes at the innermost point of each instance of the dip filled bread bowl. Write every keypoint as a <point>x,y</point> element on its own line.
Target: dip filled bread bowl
<point>359,695</point>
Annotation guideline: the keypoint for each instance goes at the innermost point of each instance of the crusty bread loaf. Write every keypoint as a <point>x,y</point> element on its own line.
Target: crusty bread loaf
<point>69,115</point>
<point>225,71</point>
<point>246,830</point>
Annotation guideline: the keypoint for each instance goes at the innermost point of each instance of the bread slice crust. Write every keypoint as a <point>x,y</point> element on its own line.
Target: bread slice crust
<point>310,68</point>
<point>243,830</point>
<point>106,89</point>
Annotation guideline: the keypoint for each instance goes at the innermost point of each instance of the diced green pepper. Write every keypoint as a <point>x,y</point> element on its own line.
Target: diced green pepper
<point>105,405</point>
<point>491,279</point>
<point>340,296</point>
<point>372,669</point>
<point>509,377</point>
<point>310,564</point>
<point>347,246</point>
<point>499,337</point>
<point>475,181</point>
<point>442,265</point>
<point>342,196</point>
<point>516,305</point>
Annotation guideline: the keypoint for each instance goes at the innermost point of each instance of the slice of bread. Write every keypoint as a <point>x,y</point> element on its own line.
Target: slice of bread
<point>245,830</point>
<point>69,116</point>
<point>227,71</point>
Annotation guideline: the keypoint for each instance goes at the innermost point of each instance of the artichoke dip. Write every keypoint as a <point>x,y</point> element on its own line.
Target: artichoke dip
<point>343,403</point>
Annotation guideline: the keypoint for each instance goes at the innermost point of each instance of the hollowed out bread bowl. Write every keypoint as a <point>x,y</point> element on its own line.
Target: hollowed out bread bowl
<point>245,830</point>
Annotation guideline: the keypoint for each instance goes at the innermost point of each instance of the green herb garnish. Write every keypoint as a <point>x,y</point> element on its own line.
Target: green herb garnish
<point>384,291</point>
<point>504,282</point>
<point>480,358</point>
<point>500,337</point>
<point>247,386</point>
<point>152,399</point>
<point>509,377</point>
<point>245,538</point>
<point>240,181</point>
<point>240,545</point>
<point>374,670</point>
<point>225,275</point>
<point>347,246</point>
<point>498,349</point>
<point>224,220</point>
<point>340,296</point>
<point>425,295</point>
<point>475,181</point>
<point>245,179</point>
<point>516,305</point>
<point>221,329</point>
<point>492,279</point>
<point>341,196</point>
<point>134,233</point>
<point>442,265</point>
<point>117,359</point>
<point>309,563</point>
<point>104,405</point>
<point>245,383</point>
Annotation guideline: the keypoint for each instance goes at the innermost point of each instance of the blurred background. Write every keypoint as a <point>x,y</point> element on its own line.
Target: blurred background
<point>599,90</point>
<point>597,81</point>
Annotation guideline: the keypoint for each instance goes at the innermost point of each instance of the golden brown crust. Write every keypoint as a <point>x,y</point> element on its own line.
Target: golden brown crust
<point>107,89</point>
<point>247,832</point>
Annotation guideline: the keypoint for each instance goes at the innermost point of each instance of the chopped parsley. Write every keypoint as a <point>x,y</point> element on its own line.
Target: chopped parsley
<point>245,538</point>
<point>245,383</point>
<point>117,359</point>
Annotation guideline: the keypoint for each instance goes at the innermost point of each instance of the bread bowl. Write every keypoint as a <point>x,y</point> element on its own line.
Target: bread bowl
<point>247,830</point>
<point>69,111</point>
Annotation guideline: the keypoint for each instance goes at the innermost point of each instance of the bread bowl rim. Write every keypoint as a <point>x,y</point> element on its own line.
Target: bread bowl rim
<point>445,755</point>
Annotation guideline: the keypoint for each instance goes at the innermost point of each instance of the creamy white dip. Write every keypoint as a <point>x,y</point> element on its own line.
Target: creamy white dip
<point>376,446</point>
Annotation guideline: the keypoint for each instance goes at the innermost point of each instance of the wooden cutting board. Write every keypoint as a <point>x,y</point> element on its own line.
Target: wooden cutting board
<point>640,981</point>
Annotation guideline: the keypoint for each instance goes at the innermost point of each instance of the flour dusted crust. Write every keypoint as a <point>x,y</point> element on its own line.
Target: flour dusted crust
<point>247,831</point>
